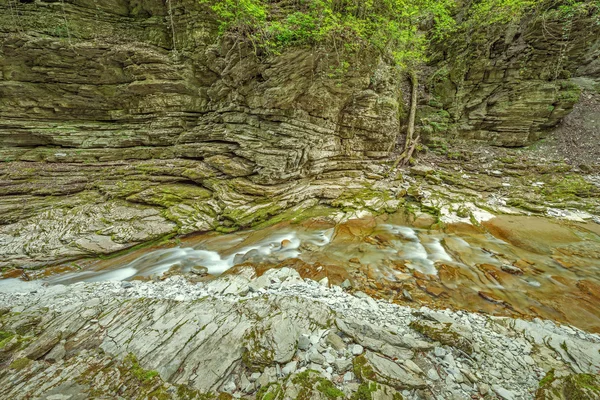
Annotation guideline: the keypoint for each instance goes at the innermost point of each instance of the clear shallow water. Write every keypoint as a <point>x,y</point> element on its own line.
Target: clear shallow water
<point>559,264</point>
<point>217,254</point>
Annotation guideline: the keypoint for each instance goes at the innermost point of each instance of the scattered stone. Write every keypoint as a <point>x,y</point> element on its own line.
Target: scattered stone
<point>346,285</point>
<point>289,368</point>
<point>229,387</point>
<point>317,358</point>
<point>254,377</point>
<point>412,366</point>
<point>357,349</point>
<point>375,367</point>
<point>421,170</point>
<point>126,285</point>
<point>483,388</point>
<point>503,393</point>
<point>342,365</point>
<point>447,333</point>
<point>439,352</point>
<point>335,341</point>
<point>266,328</point>
<point>433,374</point>
<point>304,342</point>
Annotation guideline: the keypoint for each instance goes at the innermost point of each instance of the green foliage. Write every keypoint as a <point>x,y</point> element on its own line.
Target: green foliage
<point>400,29</point>
<point>347,26</point>
<point>329,390</point>
<point>137,371</point>
<point>5,337</point>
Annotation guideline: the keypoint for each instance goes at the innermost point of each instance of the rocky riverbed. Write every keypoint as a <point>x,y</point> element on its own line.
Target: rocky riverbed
<point>272,337</point>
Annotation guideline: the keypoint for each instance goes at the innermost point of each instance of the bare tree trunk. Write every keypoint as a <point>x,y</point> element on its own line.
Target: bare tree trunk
<point>411,142</point>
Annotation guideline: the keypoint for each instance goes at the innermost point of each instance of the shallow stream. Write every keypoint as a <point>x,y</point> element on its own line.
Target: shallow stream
<point>510,265</point>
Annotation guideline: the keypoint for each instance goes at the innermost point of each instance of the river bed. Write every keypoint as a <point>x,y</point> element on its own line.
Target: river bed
<point>509,265</point>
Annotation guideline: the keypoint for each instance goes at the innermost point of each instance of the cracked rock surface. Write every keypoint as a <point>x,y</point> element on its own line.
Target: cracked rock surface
<point>276,337</point>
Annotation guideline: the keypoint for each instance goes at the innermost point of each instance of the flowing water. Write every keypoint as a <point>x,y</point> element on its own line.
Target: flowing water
<point>519,266</point>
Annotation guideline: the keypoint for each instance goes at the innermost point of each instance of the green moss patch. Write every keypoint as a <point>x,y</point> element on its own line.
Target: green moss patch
<point>20,363</point>
<point>442,333</point>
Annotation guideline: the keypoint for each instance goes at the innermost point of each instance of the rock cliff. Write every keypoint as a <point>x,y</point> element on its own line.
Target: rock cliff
<point>509,85</point>
<point>128,121</point>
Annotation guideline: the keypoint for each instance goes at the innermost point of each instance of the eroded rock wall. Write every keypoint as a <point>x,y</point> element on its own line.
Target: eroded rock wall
<point>508,86</point>
<point>128,120</point>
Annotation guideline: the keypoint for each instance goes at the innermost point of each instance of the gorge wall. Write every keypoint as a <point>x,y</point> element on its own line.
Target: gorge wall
<point>128,120</point>
<point>508,85</point>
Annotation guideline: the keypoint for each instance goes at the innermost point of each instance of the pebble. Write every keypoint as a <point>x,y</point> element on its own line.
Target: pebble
<point>433,375</point>
<point>483,389</point>
<point>357,349</point>
<point>316,358</point>
<point>304,342</point>
<point>439,352</point>
<point>342,365</point>
<point>503,393</point>
<point>348,376</point>
<point>254,377</point>
<point>412,366</point>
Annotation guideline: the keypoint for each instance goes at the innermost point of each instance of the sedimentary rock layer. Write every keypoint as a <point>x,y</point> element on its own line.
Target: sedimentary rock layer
<point>246,336</point>
<point>127,121</point>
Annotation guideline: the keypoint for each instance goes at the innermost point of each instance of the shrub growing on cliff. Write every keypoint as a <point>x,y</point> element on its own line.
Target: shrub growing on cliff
<point>402,29</point>
<point>346,26</point>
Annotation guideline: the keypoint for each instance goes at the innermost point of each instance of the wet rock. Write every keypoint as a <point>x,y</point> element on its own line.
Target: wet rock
<point>491,297</point>
<point>199,270</point>
<point>512,269</point>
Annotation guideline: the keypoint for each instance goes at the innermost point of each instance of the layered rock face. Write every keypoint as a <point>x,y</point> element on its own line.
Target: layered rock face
<point>127,121</point>
<point>130,120</point>
<point>508,87</point>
